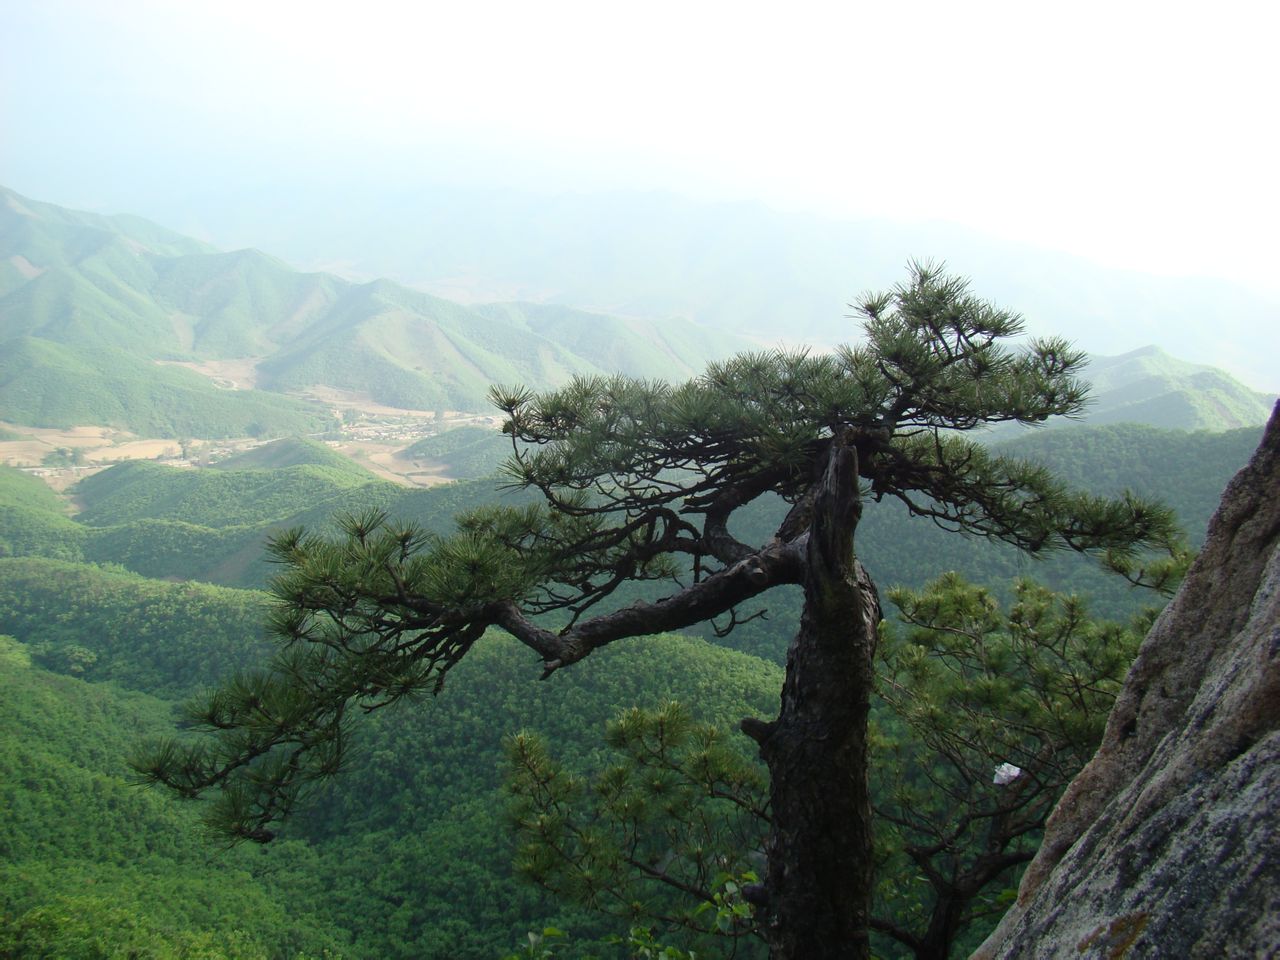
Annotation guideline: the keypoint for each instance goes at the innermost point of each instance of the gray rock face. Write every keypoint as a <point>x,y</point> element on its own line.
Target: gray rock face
<point>1168,843</point>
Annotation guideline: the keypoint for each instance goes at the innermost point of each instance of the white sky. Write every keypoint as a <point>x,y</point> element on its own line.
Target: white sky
<point>1138,134</point>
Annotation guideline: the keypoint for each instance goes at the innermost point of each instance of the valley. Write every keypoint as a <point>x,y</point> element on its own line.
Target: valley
<point>684,482</point>
<point>370,434</point>
<point>143,475</point>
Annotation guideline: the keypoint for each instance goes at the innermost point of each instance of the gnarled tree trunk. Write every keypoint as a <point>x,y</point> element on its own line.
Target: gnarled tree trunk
<point>816,896</point>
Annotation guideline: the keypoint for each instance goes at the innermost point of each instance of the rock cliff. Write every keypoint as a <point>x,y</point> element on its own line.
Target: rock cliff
<point>1168,843</point>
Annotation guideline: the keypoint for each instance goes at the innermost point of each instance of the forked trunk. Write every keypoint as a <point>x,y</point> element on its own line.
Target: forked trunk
<point>816,896</point>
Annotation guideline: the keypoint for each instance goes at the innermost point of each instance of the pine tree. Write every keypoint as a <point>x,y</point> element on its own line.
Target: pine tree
<point>981,718</point>
<point>638,483</point>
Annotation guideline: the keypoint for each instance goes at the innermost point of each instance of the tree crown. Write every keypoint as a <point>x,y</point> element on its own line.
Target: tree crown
<point>638,481</point>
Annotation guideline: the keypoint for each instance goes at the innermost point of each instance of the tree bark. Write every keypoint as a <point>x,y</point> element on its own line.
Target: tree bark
<point>816,896</point>
<point>944,924</point>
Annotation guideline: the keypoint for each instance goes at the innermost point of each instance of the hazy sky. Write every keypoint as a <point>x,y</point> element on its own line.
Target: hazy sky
<point>1139,134</point>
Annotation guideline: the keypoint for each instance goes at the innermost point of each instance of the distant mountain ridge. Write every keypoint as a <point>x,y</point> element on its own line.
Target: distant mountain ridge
<point>89,304</point>
<point>740,266</point>
<point>1149,386</point>
<point>75,285</point>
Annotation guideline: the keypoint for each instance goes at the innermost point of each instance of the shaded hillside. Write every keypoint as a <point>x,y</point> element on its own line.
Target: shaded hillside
<point>209,525</point>
<point>429,781</point>
<point>212,524</point>
<point>408,854</point>
<point>90,866</point>
<point>1186,471</point>
<point>34,521</point>
<point>19,489</point>
<point>169,639</point>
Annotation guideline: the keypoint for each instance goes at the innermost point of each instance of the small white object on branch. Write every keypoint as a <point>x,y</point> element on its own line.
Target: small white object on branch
<point>1006,773</point>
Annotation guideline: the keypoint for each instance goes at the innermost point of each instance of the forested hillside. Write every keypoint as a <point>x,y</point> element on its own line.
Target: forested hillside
<point>465,453</point>
<point>53,384</point>
<point>211,525</point>
<point>92,867</point>
<point>409,855</point>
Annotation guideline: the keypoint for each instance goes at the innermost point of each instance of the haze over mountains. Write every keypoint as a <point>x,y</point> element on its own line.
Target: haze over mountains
<point>742,267</point>
<point>116,321</point>
<point>89,305</point>
<point>372,212</point>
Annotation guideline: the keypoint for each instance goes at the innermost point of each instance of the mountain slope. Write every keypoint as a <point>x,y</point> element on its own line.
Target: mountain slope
<point>463,453</point>
<point>95,284</point>
<point>140,490</point>
<point>50,384</point>
<point>733,266</point>
<point>110,293</point>
<point>409,349</point>
<point>617,345</point>
<point>294,452</point>
<point>239,304</point>
<point>1149,386</point>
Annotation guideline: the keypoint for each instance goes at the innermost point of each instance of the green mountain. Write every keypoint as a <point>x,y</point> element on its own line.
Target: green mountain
<point>34,521</point>
<point>51,384</point>
<point>94,301</point>
<point>18,489</point>
<point>1188,471</point>
<point>463,452</point>
<point>651,351</point>
<point>733,266</point>
<point>294,452</point>
<point>409,855</point>
<point>142,489</point>
<point>88,303</point>
<point>1149,386</point>
<point>409,349</point>
<point>212,525</point>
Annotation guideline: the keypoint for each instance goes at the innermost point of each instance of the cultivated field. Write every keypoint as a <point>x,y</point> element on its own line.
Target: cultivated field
<point>372,435</point>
